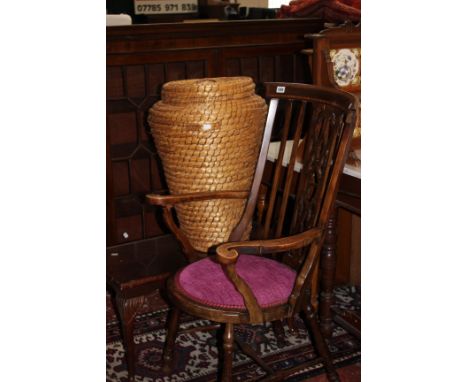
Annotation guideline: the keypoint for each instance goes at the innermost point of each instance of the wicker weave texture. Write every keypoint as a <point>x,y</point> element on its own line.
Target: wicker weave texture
<point>208,134</point>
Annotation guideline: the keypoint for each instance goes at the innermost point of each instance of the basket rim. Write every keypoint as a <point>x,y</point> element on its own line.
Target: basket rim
<point>209,81</point>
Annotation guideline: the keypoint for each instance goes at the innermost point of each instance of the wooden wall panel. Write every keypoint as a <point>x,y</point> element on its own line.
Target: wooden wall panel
<point>267,69</point>
<point>175,71</point>
<point>232,67</point>
<point>114,82</point>
<point>121,180</point>
<point>155,78</point>
<point>135,81</point>
<point>129,228</point>
<point>123,128</point>
<point>140,173</point>
<point>249,67</point>
<point>195,69</point>
<point>141,58</point>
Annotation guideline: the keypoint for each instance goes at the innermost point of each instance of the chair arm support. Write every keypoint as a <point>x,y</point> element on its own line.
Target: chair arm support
<point>251,303</point>
<point>228,253</point>
<point>170,200</point>
<point>190,253</point>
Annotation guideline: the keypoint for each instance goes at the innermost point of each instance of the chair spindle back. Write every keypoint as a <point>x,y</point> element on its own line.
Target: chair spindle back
<point>315,127</point>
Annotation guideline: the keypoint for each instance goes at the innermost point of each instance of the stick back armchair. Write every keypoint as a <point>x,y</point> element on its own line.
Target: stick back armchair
<point>244,282</point>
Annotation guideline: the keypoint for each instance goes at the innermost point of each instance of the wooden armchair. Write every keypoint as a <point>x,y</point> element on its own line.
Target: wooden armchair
<point>240,283</point>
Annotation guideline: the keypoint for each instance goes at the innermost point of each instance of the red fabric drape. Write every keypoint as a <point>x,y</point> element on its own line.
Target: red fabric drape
<point>329,10</point>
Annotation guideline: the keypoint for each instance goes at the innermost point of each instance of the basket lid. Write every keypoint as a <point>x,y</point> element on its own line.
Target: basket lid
<point>219,88</point>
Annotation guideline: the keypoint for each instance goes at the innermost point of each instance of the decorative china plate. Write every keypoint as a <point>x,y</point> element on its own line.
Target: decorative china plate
<point>346,66</point>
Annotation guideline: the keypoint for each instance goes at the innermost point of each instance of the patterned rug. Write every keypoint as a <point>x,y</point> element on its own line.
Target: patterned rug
<point>196,351</point>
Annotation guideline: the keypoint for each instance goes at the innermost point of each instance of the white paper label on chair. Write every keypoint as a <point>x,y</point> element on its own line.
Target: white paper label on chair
<point>280,89</point>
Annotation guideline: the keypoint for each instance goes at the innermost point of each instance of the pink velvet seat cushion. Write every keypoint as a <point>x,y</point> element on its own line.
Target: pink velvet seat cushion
<point>204,281</point>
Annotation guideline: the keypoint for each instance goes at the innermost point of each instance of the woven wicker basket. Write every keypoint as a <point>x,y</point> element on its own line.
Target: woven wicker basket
<point>208,134</point>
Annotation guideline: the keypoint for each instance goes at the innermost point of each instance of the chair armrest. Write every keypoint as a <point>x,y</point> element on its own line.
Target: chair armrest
<point>167,202</point>
<point>228,253</point>
<point>170,200</point>
<point>190,253</point>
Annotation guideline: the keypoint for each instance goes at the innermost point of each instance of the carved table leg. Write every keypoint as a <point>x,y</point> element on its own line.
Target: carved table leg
<point>128,308</point>
<point>327,275</point>
<point>168,352</point>
<point>228,345</point>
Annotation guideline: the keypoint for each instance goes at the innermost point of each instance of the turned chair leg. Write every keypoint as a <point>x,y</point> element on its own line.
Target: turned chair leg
<point>321,345</point>
<point>280,335</point>
<point>228,346</point>
<point>127,308</point>
<point>168,352</point>
<point>291,325</point>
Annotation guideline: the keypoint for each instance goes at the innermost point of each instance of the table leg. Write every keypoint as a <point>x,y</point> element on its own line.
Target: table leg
<point>128,308</point>
<point>327,275</point>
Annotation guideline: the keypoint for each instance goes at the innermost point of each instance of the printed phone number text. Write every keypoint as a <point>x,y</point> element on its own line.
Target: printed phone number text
<point>166,7</point>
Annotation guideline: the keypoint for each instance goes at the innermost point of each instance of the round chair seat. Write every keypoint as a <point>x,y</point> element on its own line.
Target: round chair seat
<point>205,282</point>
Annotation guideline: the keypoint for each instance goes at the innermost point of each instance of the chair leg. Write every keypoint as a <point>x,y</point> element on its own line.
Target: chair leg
<point>128,308</point>
<point>321,345</point>
<point>168,352</point>
<point>291,324</point>
<point>278,329</point>
<point>228,346</point>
